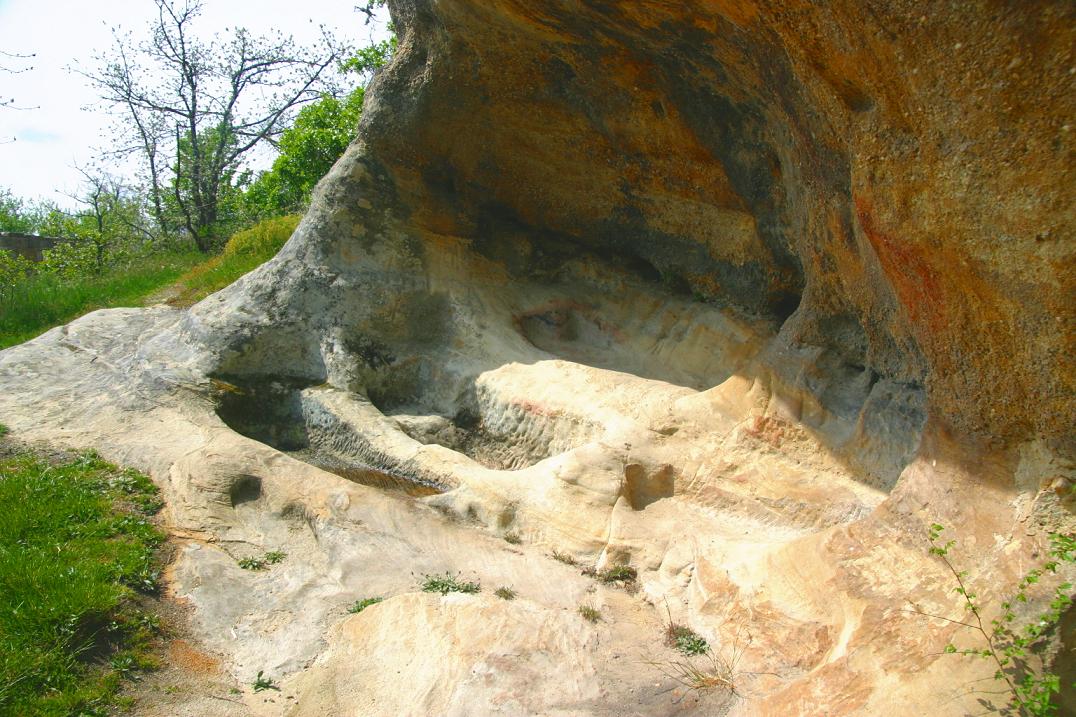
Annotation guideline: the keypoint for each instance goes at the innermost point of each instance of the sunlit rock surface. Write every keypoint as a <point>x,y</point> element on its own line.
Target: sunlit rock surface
<point>745,295</point>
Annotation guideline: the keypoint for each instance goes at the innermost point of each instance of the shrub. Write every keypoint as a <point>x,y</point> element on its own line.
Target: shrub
<point>512,538</point>
<point>505,593</point>
<point>1008,642</point>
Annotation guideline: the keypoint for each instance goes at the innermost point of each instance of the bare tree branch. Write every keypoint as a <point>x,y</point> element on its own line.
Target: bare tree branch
<point>194,109</point>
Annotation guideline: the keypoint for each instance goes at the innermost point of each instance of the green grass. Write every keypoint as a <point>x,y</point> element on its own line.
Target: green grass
<point>590,613</point>
<point>244,252</point>
<point>76,547</point>
<point>448,583</point>
<point>617,574</point>
<point>565,558</point>
<point>38,303</point>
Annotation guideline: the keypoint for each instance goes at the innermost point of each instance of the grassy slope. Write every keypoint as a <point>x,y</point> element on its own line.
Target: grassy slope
<point>43,302</point>
<point>40,303</point>
<point>244,252</point>
<point>76,547</point>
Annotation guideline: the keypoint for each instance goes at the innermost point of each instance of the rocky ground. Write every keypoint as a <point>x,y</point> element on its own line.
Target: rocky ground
<point>745,298</point>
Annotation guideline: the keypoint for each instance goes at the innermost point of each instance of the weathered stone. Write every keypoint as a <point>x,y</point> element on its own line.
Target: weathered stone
<point>746,295</point>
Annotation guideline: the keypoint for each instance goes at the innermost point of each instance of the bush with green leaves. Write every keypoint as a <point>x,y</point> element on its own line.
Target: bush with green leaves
<point>1010,641</point>
<point>13,270</point>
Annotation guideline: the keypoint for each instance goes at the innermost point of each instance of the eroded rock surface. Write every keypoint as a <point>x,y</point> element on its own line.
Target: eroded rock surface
<point>743,294</point>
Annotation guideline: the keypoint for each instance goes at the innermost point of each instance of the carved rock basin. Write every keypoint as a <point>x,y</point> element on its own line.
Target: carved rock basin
<point>744,295</point>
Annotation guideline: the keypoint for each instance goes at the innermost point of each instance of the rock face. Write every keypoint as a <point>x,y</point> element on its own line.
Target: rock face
<point>745,295</point>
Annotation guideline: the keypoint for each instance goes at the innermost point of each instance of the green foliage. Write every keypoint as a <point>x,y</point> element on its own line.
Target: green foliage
<point>614,574</point>
<point>3,430</point>
<point>512,538</point>
<point>251,563</point>
<point>448,583</point>
<point>14,269</point>
<point>505,593</point>
<point>73,552</point>
<point>685,640</point>
<point>261,682</point>
<point>308,150</point>
<point>1010,641</point>
<point>15,214</point>
<point>371,58</point>
<point>361,605</point>
<point>209,207</point>
<point>245,251</point>
<point>270,558</point>
<point>590,613</point>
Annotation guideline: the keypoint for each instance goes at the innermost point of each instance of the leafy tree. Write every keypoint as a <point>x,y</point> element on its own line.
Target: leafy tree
<point>15,215</point>
<point>319,136</point>
<point>308,149</point>
<point>194,109</point>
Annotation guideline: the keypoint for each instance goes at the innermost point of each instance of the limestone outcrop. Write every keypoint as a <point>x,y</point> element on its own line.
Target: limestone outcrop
<point>744,295</point>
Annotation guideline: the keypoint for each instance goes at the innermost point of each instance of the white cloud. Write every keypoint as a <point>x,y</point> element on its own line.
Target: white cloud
<point>63,128</point>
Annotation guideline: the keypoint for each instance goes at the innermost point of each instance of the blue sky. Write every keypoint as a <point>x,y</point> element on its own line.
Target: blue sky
<point>40,147</point>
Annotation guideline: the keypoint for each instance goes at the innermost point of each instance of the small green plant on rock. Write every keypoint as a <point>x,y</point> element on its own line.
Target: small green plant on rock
<point>590,613</point>
<point>264,683</point>
<point>448,583</point>
<point>685,640</point>
<point>270,558</point>
<point>360,605</point>
<point>252,563</point>
<point>511,538</point>
<point>1006,642</point>
<point>3,430</point>
<point>505,593</point>
<point>617,574</point>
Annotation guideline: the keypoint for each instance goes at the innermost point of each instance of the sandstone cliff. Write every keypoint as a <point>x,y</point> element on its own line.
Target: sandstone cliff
<point>743,294</point>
